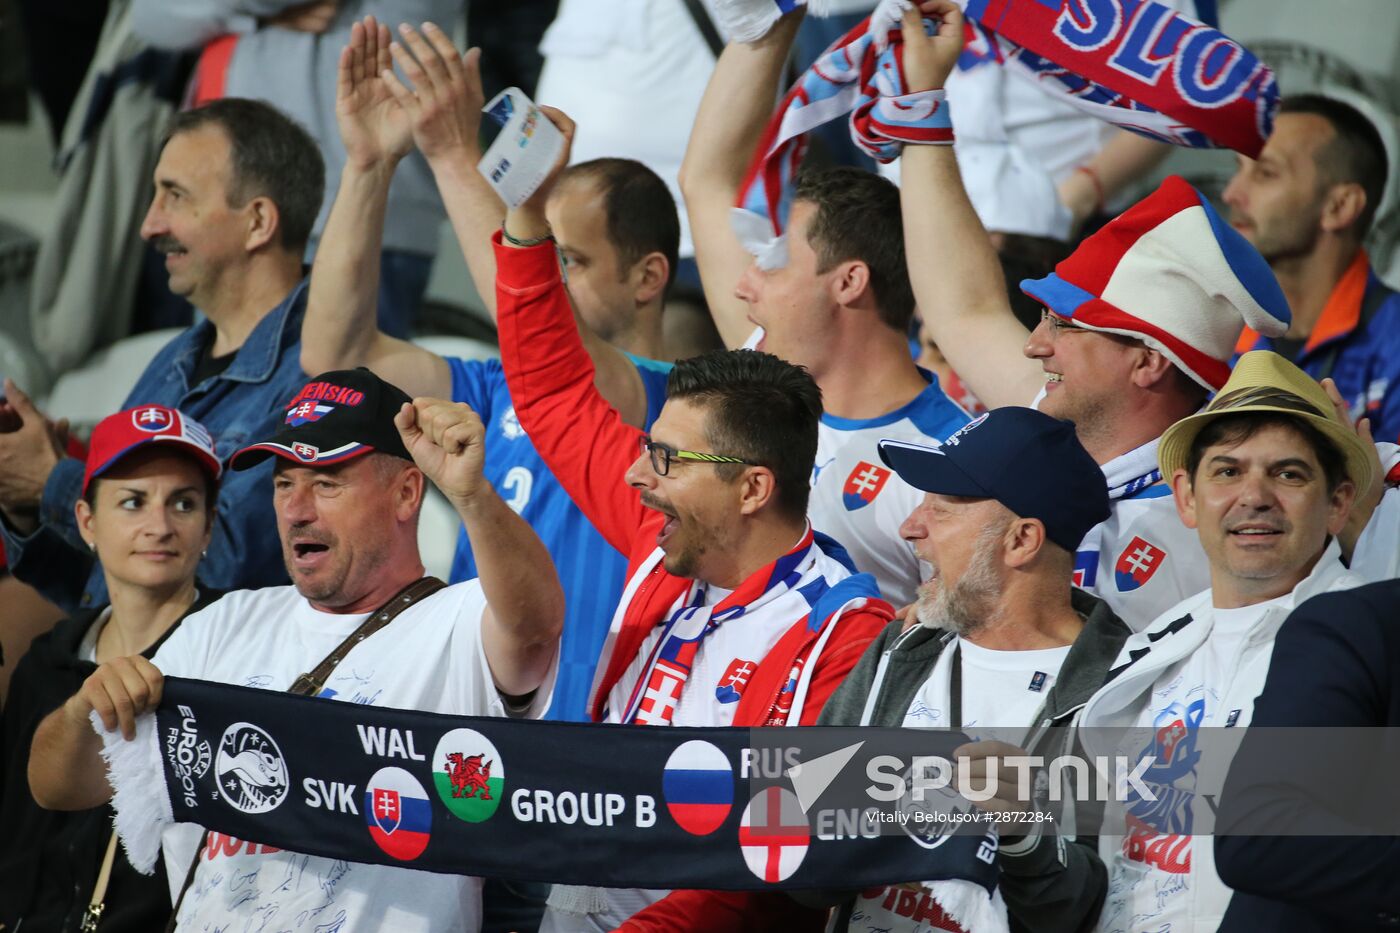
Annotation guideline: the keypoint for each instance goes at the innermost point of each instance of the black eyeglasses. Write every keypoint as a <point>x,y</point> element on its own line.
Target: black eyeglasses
<point>663,456</point>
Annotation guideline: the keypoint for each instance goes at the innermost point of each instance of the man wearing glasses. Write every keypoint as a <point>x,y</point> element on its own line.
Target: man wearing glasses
<point>735,611</point>
<point>1140,325</point>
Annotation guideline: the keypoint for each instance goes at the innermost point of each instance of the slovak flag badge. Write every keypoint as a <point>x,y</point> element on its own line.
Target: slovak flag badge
<point>863,485</point>
<point>397,813</point>
<point>1136,565</point>
<point>307,412</point>
<point>307,452</point>
<point>735,679</point>
<point>152,419</point>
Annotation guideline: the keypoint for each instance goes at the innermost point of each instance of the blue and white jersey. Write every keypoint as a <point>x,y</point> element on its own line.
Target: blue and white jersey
<point>591,570</point>
<point>1143,560</point>
<point>861,503</point>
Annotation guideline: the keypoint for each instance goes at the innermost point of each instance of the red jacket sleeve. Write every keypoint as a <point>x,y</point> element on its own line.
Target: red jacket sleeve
<point>583,440</point>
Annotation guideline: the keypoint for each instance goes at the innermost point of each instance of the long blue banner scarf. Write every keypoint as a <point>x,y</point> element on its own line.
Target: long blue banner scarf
<point>574,803</point>
<point>1135,63</point>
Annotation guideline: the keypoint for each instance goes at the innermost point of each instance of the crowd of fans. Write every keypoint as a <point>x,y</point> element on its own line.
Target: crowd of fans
<point>987,449</point>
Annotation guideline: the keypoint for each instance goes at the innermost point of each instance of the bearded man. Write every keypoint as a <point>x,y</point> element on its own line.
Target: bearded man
<point>1004,649</point>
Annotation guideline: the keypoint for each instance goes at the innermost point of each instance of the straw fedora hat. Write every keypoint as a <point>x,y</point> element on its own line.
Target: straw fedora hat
<point>1263,381</point>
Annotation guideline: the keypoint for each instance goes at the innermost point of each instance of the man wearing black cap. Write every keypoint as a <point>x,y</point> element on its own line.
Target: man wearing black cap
<point>348,483</point>
<point>1004,646</point>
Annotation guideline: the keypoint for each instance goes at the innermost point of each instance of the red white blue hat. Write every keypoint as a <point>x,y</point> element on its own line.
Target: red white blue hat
<point>118,435</point>
<point>1173,274</point>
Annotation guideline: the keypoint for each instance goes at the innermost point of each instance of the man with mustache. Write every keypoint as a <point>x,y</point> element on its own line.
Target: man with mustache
<point>237,188</point>
<point>352,464</point>
<point>1004,648</point>
<point>1306,204</point>
<point>1266,475</point>
<point>735,612</point>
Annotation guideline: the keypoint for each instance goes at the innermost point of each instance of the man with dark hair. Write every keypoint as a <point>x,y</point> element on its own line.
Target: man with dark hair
<point>236,189</point>
<point>617,233</point>
<point>1307,203</point>
<point>735,612</point>
<point>640,221</point>
<point>836,300</point>
<point>268,156</point>
<point>285,52</point>
<point>1267,475</point>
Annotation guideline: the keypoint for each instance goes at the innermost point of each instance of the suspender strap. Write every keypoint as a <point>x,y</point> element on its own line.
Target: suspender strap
<point>310,684</point>
<point>701,16</point>
<point>98,902</point>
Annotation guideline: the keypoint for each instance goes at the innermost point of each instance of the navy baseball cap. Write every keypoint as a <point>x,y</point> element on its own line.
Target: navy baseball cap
<point>335,417</point>
<point>1029,462</point>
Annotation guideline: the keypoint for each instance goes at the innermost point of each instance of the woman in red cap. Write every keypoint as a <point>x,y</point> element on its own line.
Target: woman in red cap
<point>147,511</point>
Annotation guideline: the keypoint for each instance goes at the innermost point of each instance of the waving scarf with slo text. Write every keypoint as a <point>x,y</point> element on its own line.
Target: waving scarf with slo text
<point>1135,63</point>
<point>601,805</point>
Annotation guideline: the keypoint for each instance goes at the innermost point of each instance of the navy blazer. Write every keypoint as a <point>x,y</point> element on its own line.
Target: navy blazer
<point>1336,663</point>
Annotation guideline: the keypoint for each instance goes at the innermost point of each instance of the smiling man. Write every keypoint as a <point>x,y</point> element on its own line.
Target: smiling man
<point>352,462</point>
<point>1139,327</point>
<point>1266,476</point>
<point>236,193</point>
<point>734,612</point>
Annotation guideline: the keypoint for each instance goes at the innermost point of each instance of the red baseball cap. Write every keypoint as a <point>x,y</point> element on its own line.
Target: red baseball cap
<point>118,435</point>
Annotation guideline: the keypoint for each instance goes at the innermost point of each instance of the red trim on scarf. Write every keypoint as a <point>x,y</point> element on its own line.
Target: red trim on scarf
<point>211,74</point>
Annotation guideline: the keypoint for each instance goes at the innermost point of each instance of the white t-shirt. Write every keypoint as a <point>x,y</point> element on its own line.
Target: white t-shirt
<point>1002,691</point>
<point>1143,560</point>
<point>1150,882</point>
<point>429,658</point>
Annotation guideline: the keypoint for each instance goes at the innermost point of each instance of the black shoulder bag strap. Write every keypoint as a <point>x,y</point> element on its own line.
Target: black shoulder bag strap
<point>310,684</point>
<point>701,16</point>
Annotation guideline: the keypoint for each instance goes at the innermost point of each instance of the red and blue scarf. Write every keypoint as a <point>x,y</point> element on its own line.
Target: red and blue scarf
<point>1135,63</point>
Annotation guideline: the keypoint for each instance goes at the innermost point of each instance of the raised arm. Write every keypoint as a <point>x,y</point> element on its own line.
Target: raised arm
<point>583,439</point>
<point>958,282</point>
<point>525,603</point>
<point>339,331</point>
<point>445,109</point>
<point>65,762</point>
<point>737,104</point>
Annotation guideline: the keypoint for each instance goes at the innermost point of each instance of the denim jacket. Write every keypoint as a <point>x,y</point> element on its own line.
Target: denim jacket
<point>243,404</point>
